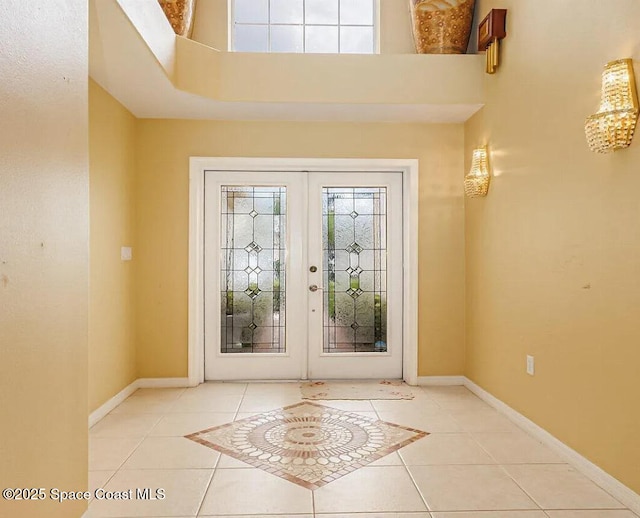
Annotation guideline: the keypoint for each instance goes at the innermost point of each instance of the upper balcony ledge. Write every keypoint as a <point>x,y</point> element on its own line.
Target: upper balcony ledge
<point>329,78</point>
<point>135,55</point>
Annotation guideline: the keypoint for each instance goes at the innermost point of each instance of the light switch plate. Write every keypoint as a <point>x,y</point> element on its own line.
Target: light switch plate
<point>531,365</point>
<point>126,253</point>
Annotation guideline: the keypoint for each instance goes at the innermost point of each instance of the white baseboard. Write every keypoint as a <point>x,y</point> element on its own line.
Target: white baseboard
<point>163,382</point>
<point>610,484</point>
<point>109,405</point>
<point>441,380</point>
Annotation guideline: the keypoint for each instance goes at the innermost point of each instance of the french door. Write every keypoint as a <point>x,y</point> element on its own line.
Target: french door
<point>303,275</point>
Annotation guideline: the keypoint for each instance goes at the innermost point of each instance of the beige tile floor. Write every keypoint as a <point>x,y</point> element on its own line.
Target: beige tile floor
<point>475,463</point>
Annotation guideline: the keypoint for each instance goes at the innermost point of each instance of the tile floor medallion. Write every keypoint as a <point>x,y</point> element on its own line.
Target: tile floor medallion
<point>306,443</point>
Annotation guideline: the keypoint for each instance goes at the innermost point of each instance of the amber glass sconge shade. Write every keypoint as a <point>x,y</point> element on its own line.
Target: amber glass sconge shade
<point>476,183</point>
<point>613,126</point>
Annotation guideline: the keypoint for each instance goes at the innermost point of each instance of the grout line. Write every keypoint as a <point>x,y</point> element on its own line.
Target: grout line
<point>147,434</point>
<point>117,470</point>
<point>484,449</point>
<point>520,486</point>
<point>206,490</point>
<point>243,395</point>
<point>140,441</point>
<point>103,485</point>
<point>415,484</point>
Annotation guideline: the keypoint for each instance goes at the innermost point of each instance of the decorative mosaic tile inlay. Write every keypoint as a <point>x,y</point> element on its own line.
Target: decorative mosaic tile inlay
<point>306,443</point>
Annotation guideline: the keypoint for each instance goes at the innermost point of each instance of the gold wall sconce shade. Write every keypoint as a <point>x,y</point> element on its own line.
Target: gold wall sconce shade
<point>476,183</point>
<point>613,126</point>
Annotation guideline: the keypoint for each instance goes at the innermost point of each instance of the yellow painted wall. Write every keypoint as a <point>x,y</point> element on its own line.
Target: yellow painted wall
<point>44,248</point>
<point>112,354</point>
<point>396,36</point>
<point>162,201</point>
<point>211,27</point>
<point>553,253</point>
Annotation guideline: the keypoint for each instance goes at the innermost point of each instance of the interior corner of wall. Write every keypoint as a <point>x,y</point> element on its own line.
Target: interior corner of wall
<point>197,69</point>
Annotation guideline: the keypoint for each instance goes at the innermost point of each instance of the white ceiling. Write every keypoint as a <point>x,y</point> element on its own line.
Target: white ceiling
<point>122,63</point>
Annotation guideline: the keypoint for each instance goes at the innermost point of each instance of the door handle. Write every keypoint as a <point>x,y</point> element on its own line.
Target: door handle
<point>314,288</point>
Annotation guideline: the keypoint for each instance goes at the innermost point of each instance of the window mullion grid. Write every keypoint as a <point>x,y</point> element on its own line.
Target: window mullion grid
<point>339,26</point>
<point>269,23</point>
<point>304,26</point>
<point>339,21</point>
<point>293,24</point>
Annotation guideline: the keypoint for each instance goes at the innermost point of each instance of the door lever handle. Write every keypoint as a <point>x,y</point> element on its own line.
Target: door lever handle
<point>314,288</point>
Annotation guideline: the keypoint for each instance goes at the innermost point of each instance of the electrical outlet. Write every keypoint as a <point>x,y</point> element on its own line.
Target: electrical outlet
<point>531,365</point>
<point>125,253</point>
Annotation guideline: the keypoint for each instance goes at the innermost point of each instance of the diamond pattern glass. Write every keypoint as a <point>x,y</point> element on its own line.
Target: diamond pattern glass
<point>253,248</point>
<point>354,268</point>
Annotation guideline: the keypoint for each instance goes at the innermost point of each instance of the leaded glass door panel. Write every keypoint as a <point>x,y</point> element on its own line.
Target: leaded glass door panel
<point>355,245</point>
<point>303,275</point>
<point>254,320</point>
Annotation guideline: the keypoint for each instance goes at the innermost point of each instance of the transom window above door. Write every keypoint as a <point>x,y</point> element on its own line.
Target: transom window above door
<point>311,26</point>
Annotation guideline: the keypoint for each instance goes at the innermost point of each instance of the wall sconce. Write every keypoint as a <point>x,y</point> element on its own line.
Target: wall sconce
<point>612,127</point>
<point>490,31</point>
<point>476,183</point>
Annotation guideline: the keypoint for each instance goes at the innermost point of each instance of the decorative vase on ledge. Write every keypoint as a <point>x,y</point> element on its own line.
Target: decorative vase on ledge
<point>180,15</point>
<point>442,26</point>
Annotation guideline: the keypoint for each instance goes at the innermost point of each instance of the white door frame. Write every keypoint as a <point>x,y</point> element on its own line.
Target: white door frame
<point>409,170</point>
